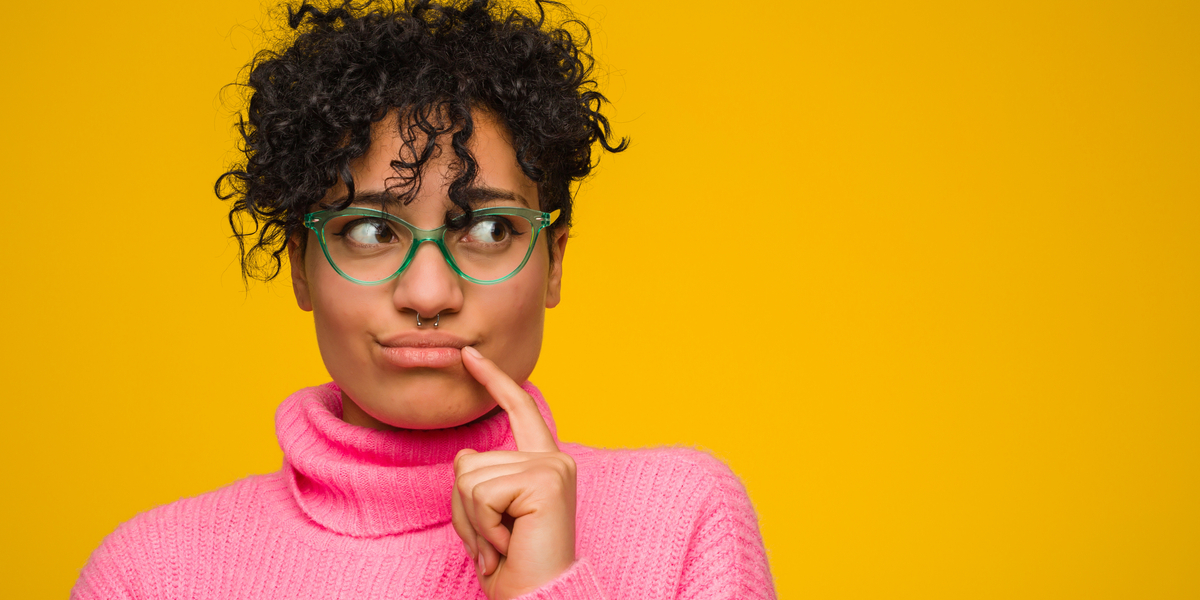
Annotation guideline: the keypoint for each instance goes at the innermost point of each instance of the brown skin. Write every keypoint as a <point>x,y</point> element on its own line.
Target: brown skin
<point>515,511</point>
<point>534,487</point>
<point>503,321</point>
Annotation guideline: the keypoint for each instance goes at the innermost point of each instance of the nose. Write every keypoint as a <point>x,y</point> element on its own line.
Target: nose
<point>428,286</point>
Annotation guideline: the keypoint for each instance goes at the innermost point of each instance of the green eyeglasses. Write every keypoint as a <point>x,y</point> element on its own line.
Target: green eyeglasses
<point>370,246</point>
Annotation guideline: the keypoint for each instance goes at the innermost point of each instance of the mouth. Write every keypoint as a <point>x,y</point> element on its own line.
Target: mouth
<point>424,350</point>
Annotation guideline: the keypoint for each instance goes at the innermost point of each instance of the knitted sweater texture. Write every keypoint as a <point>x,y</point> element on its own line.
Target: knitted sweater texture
<point>357,513</point>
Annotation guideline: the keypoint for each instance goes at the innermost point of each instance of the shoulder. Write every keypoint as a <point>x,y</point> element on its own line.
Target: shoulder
<point>205,514</point>
<point>666,464</point>
<point>680,482</point>
<point>153,546</point>
<point>680,509</point>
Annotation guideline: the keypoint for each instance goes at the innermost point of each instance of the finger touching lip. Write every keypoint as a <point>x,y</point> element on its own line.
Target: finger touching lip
<point>529,428</point>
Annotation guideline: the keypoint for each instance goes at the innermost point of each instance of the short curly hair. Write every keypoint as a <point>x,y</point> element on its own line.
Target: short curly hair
<point>346,65</point>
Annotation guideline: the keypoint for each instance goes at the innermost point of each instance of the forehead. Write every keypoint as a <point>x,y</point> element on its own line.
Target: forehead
<point>490,145</point>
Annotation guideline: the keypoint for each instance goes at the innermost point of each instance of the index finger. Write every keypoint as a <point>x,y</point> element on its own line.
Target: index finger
<point>529,428</point>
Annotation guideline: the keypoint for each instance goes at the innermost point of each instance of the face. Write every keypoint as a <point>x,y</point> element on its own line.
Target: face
<point>392,373</point>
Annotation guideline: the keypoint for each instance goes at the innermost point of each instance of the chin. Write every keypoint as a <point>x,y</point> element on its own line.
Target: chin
<point>422,402</point>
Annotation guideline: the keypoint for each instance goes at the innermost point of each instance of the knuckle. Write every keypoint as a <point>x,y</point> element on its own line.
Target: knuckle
<point>561,465</point>
<point>481,504</point>
<point>460,458</point>
<point>465,487</point>
<point>551,479</point>
<point>567,462</point>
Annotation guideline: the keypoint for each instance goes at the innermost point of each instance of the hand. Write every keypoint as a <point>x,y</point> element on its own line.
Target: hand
<point>515,511</point>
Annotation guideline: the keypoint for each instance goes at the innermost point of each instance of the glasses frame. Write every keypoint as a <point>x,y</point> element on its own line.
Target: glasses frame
<point>538,221</point>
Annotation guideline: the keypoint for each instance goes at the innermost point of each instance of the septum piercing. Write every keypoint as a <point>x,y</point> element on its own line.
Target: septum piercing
<point>436,319</point>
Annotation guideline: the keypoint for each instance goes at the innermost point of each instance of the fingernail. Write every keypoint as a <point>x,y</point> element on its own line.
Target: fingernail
<point>472,351</point>
<point>479,568</point>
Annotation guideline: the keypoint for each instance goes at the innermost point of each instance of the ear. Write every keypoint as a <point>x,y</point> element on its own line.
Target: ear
<point>558,242</point>
<point>299,277</point>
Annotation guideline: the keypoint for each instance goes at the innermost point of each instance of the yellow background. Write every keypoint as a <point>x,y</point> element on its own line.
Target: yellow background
<point>925,274</point>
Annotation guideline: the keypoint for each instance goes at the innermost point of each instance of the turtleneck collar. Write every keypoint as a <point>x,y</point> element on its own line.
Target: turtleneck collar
<point>367,483</point>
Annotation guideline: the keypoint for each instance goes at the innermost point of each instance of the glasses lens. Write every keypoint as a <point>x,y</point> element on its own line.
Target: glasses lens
<point>366,248</point>
<point>490,247</point>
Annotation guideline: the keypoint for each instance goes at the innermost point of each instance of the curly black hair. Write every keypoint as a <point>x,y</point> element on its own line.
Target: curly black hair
<point>346,65</point>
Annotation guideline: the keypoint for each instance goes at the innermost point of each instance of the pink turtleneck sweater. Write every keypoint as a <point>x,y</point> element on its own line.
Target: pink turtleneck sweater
<point>357,513</point>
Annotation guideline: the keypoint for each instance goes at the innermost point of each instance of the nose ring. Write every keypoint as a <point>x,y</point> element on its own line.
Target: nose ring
<point>436,319</point>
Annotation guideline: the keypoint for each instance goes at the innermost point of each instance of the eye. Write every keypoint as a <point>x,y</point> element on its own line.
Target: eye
<point>489,231</point>
<point>369,232</point>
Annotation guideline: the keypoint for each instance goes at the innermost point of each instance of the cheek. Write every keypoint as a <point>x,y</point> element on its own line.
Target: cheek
<point>516,315</point>
<point>342,313</point>
<point>524,300</point>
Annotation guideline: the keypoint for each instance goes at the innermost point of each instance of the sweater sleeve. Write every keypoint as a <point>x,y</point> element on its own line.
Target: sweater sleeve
<point>725,558</point>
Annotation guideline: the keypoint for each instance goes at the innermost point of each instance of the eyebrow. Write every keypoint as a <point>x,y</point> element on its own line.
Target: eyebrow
<point>477,194</point>
<point>474,195</point>
<point>380,198</point>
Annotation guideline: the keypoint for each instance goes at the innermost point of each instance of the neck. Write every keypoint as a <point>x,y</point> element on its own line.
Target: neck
<point>366,482</point>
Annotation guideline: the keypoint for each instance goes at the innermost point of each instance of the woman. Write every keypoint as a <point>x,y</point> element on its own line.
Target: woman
<point>430,466</point>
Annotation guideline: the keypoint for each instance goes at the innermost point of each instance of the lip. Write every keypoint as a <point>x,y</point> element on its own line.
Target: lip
<point>429,350</point>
